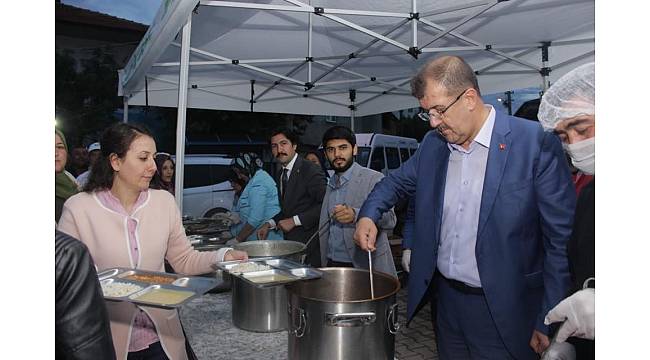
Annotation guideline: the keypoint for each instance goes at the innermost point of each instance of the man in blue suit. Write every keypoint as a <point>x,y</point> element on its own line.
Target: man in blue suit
<point>494,207</point>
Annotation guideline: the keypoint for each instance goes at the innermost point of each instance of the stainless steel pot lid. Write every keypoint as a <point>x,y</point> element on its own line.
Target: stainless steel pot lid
<point>260,248</point>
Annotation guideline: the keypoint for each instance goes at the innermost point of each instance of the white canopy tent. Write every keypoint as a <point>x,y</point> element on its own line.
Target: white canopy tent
<point>343,58</point>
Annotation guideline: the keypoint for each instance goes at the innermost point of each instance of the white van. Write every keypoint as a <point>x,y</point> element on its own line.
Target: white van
<point>207,190</point>
<point>384,153</point>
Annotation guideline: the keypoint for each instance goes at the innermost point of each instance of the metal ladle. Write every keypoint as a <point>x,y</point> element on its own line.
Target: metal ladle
<point>372,286</point>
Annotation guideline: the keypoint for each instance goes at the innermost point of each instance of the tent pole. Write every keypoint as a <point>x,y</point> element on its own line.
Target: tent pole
<point>125,118</point>
<point>414,25</point>
<point>544,71</point>
<point>182,109</point>
<point>353,96</point>
<point>309,40</point>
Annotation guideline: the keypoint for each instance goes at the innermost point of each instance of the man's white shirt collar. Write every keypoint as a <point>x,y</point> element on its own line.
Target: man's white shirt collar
<point>289,166</point>
<point>484,135</point>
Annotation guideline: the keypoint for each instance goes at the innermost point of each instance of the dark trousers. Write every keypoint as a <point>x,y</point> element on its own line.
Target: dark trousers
<point>464,327</point>
<point>153,352</point>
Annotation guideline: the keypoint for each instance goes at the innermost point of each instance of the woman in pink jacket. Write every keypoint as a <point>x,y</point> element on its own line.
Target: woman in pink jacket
<point>125,224</point>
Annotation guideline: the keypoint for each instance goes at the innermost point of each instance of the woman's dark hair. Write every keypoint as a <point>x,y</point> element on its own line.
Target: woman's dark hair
<point>157,181</point>
<point>339,132</point>
<point>233,177</point>
<point>321,159</point>
<point>115,140</point>
<point>288,133</point>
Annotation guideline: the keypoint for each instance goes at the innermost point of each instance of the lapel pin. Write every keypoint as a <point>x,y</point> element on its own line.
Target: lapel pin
<point>502,146</point>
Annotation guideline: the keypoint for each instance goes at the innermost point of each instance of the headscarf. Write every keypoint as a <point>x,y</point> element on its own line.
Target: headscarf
<point>573,94</point>
<point>249,162</point>
<point>64,184</point>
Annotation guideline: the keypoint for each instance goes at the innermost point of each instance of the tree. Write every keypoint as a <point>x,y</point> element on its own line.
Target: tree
<point>86,99</point>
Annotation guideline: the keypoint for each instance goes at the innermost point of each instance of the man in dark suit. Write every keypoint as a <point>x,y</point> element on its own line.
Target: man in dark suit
<point>494,207</point>
<point>301,187</point>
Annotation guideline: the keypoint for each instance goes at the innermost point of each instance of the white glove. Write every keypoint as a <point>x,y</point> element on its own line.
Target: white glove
<point>406,260</point>
<point>579,312</point>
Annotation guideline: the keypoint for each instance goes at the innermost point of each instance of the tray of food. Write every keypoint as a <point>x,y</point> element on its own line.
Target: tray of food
<point>151,288</point>
<point>264,272</point>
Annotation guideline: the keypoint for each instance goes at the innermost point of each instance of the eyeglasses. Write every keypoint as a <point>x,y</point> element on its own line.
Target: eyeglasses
<point>432,112</point>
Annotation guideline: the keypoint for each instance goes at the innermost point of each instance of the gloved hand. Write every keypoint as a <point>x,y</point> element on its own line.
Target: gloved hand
<point>579,312</point>
<point>406,260</point>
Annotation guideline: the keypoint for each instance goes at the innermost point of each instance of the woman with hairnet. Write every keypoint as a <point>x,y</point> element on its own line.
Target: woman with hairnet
<point>258,201</point>
<point>567,109</point>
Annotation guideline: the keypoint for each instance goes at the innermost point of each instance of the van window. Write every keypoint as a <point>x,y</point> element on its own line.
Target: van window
<point>219,173</point>
<point>197,175</point>
<point>412,150</point>
<point>404,154</point>
<point>363,153</point>
<point>392,158</point>
<point>377,160</point>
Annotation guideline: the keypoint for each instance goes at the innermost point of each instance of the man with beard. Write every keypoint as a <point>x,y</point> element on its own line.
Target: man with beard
<point>346,191</point>
<point>301,186</point>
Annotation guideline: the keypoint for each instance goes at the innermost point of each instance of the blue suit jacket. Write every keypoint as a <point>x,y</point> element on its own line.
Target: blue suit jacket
<point>524,224</point>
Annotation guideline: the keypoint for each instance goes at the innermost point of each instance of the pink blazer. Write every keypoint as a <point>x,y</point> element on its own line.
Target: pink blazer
<point>160,235</point>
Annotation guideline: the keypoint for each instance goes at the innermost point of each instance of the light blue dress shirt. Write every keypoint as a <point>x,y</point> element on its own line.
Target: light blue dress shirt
<point>462,205</point>
<point>338,190</point>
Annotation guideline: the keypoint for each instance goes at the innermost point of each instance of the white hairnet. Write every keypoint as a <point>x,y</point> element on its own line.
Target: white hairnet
<point>573,94</point>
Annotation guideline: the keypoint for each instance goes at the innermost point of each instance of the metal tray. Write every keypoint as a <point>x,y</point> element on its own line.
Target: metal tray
<point>283,264</point>
<point>106,282</point>
<point>306,273</point>
<point>147,277</point>
<point>108,273</point>
<point>197,285</point>
<point>268,277</point>
<point>183,296</point>
<point>281,271</point>
<point>228,265</point>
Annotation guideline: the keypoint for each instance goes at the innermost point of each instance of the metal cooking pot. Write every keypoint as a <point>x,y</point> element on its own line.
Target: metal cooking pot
<point>262,309</point>
<point>334,318</point>
<point>276,248</point>
<point>258,309</point>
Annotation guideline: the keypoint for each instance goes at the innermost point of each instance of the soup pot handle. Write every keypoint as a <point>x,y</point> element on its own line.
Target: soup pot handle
<point>393,324</point>
<point>350,319</point>
<point>298,331</point>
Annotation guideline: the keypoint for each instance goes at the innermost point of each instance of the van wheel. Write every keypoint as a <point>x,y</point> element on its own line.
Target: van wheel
<point>213,212</point>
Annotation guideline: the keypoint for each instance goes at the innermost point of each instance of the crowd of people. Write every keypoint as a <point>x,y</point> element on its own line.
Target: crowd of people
<point>497,240</point>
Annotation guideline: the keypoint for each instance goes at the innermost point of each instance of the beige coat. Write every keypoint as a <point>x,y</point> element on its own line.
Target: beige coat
<point>159,234</point>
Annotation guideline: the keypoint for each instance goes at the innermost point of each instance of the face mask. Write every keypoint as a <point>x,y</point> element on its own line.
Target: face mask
<point>583,155</point>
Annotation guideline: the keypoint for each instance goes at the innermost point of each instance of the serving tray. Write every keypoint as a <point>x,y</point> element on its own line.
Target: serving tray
<point>276,271</point>
<point>152,288</point>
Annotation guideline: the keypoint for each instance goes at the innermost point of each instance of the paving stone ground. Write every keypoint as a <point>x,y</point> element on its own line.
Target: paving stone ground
<point>207,322</point>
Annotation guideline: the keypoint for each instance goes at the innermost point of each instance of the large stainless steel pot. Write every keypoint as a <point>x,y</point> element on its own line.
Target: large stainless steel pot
<point>276,248</point>
<point>262,309</point>
<point>258,309</point>
<point>334,318</point>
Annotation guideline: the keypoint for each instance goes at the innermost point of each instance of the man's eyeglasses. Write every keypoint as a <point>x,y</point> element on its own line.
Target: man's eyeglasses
<point>437,114</point>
